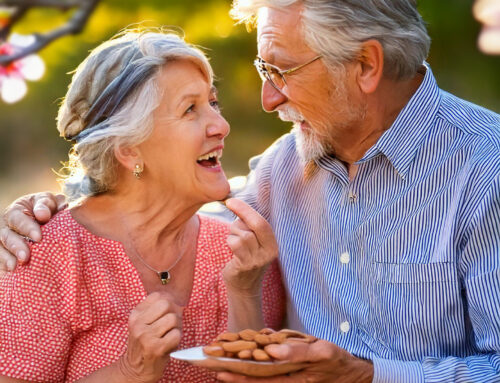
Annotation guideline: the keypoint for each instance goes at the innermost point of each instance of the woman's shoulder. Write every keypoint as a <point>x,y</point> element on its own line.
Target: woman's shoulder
<point>215,226</point>
<point>62,236</point>
<point>61,229</point>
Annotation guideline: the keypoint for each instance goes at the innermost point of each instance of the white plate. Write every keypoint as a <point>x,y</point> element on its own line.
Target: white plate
<point>196,356</point>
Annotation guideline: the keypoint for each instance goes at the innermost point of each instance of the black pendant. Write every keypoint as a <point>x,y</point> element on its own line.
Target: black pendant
<point>164,276</point>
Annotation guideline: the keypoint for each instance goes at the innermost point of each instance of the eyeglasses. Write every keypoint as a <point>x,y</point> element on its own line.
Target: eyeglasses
<point>275,75</point>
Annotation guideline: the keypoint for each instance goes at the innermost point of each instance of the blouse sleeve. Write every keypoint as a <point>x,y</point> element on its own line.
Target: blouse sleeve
<point>35,334</point>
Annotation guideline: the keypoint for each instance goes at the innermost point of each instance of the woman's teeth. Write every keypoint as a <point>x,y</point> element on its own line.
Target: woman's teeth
<point>210,159</point>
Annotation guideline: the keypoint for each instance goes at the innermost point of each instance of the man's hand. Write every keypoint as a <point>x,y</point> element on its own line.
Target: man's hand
<point>328,364</point>
<point>254,247</point>
<point>23,218</point>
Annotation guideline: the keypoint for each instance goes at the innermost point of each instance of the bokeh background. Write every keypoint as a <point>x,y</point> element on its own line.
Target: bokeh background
<point>30,148</point>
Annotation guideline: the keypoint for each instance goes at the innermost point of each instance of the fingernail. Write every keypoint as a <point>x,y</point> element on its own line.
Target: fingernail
<point>277,351</point>
<point>11,264</point>
<point>21,255</point>
<point>35,235</point>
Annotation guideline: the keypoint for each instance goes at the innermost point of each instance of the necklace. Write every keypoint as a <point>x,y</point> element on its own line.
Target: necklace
<point>163,275</point>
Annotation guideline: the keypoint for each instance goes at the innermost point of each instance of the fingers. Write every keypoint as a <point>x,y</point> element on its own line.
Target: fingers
<point>318,351</point>
<point>312,354</point>
<point>252,219</point>
<point>19,220</point>
<point>154,307</point>
<point>14,246</point>
<point>235,378</point>
<point>61,202</point>
<point>7,261</point>
<point>45,205</point>
<point>155,325</point>
<point>242,240</point>
<point>163,325</point>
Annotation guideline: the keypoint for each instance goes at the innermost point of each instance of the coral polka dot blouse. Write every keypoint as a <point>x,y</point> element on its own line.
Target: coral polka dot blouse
<point>65,314</point>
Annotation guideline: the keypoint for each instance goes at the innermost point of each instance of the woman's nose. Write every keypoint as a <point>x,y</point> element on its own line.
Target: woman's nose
<point>218,126</point>
<point>271,97</point>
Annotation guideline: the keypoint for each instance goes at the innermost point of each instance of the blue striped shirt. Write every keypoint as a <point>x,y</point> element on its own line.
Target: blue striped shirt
<point>402,265</point>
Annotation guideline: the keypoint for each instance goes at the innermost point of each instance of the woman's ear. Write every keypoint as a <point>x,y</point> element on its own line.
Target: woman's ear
<point>129,157</point>
<point>371,66</point>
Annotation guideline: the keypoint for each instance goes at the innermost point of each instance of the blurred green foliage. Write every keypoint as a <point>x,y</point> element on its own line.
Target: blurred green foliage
<point>29,143</point>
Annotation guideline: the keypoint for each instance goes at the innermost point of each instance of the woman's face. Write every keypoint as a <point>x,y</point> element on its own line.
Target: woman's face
<point>182,154</point>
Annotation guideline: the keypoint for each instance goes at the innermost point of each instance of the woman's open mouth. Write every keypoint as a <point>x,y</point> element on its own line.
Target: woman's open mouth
<point>210,160</point>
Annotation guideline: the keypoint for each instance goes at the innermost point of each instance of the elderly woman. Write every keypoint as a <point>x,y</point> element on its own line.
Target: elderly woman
<point>131,272</point>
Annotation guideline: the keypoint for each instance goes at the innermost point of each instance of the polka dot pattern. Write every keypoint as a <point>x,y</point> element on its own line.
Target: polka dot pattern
<point>65,314</point>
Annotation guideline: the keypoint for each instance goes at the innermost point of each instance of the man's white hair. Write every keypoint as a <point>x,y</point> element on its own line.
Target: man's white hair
<point>337,28</point>
<point>99,82</point>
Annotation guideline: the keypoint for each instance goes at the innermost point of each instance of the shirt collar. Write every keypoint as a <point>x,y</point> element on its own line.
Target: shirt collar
<point>402,140</point>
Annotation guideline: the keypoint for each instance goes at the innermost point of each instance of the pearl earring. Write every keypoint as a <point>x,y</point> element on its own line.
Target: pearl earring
<point>138,171</point>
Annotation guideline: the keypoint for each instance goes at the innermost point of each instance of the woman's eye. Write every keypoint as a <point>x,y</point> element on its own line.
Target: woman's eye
<point>215,105</point>
<point>190,109</point>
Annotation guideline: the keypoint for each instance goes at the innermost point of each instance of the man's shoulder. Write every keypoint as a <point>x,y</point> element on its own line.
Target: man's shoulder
<point>480,125</point>
<point>283,147</point>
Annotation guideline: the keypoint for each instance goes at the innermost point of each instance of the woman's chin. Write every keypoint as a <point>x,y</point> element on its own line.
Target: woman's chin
<point>218,192</point>
<point>223,192</point>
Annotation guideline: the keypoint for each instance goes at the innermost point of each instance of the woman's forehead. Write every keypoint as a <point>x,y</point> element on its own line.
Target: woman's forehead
<point>183,79</point>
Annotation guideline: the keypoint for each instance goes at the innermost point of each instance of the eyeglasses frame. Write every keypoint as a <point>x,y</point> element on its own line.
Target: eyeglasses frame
<point>264,73</point>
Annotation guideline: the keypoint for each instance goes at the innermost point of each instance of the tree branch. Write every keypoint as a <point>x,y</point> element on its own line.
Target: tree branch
<point>62,4</point>
<point>73,26</point>
<point>18,13</point>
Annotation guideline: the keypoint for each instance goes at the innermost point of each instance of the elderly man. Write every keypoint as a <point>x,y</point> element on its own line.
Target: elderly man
<point>384,198</point>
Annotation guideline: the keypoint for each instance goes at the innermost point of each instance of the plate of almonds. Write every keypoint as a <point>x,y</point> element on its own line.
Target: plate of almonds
<point>245,352</point>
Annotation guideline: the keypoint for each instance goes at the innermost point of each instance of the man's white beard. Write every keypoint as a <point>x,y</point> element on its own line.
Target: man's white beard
<point>308,144</point>
<point>309,147</point>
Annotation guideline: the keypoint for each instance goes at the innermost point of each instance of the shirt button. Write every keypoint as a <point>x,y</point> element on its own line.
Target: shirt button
<point>345,257</point>
<point>345,327</point>
<point>352,197</point>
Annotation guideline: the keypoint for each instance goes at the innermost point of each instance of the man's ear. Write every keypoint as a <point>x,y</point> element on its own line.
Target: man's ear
<point>371,66</point>
<point>128,157</point>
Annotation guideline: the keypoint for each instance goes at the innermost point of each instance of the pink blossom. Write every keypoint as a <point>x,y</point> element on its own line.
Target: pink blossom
<point>12,77</point>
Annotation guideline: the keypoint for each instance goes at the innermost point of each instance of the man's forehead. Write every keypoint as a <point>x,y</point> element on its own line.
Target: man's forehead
<point>277,19</point>
<point>279,34</point>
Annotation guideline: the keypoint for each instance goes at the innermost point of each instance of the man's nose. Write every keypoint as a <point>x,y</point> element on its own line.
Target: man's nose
<point>271,97</point>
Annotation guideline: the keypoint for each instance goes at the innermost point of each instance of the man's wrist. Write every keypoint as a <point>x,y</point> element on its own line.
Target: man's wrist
<point>364,369</point>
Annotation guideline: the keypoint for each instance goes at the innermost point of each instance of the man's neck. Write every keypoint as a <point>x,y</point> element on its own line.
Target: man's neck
<point>382,109</point>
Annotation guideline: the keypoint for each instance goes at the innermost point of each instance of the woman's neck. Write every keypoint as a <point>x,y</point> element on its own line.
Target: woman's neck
<point>150,223</point>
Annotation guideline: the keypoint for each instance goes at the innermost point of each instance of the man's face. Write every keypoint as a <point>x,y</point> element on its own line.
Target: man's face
<point>318,102</point>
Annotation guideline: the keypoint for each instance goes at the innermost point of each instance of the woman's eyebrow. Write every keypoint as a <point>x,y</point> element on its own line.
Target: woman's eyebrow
<point>189,95</point>
<point>214,90</point>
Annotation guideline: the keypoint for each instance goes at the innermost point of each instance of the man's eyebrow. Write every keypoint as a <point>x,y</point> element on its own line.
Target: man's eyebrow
<point>214,90</point>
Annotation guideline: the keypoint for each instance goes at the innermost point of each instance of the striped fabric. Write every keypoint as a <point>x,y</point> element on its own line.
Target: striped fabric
<point>402,265</point>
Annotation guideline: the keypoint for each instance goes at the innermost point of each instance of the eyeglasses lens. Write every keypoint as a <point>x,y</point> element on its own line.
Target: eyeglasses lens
<point>269,73</point>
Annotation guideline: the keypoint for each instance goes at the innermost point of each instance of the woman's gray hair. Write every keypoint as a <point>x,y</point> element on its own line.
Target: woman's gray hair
<point>337,28</point>
<point>110,103</point>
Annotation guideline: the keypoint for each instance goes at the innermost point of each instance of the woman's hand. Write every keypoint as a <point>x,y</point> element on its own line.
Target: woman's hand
<point>254,247</point>
<point>154,332</point>
<point>23,218</point>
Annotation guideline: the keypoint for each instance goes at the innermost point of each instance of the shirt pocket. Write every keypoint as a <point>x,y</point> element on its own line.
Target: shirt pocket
<point>413,310</point>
